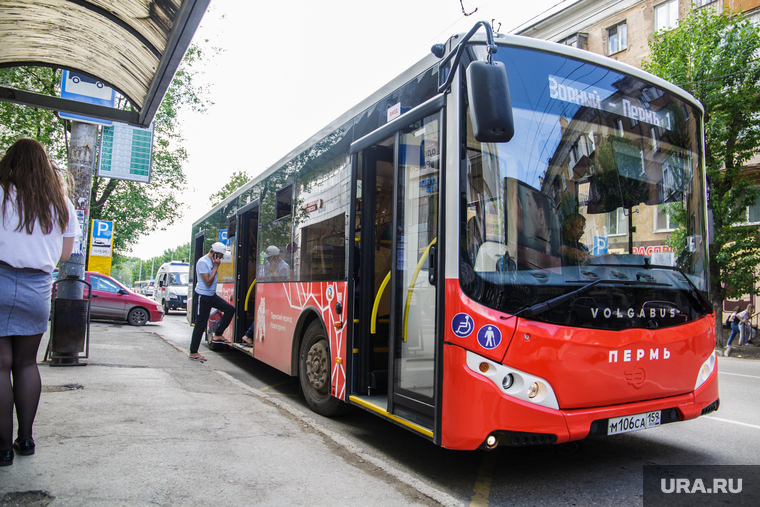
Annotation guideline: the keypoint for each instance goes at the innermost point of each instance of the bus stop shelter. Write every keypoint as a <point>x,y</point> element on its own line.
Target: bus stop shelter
<point>133,46</point>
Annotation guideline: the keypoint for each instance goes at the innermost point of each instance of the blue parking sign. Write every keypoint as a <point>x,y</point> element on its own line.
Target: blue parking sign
<point>601,245</point>
<point>102,237</point>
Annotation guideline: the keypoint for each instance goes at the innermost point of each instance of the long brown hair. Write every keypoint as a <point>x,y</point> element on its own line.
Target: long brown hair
<point>26,167</point>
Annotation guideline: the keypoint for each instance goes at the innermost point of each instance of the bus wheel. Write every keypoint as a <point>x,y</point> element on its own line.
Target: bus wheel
<point>166,308</point>
<point>314,372</point>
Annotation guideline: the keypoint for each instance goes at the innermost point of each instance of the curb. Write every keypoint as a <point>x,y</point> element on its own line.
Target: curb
<point>741,352</point>
<point>424,489</point>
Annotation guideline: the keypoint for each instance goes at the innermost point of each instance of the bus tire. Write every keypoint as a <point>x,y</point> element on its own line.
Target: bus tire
<point>166,308</point>
<point>314,363</point>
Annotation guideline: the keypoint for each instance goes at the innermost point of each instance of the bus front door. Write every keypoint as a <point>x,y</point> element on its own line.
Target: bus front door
<point>396,233</point>
<point>414,297</point>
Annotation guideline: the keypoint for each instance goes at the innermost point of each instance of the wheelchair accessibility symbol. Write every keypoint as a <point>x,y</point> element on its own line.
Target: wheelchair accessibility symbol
<point>462,325</point>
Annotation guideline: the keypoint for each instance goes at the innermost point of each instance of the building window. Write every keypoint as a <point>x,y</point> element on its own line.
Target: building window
<point>714,5</point>
<point>577,40</point>
<point>617,38</point>
<point>590,144</point>
<point>753,213</point>
<point>662,221</point>
<point>666,15</point>
<point>616,222</point>
<point>619,130</point>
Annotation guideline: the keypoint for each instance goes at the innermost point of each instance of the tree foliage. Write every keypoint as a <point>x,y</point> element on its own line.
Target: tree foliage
<point>40,124</point>
<point>714,56</point>
<point>137,209</point>
<point>237,180</point>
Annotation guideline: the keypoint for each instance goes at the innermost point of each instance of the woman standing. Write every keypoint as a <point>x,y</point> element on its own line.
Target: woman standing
<point>37,230</point>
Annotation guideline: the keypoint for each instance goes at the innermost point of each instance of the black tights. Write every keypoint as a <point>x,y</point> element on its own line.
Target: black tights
<point>18,356</point>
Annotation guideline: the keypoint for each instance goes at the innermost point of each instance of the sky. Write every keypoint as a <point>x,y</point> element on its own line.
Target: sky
<point>287,68</point>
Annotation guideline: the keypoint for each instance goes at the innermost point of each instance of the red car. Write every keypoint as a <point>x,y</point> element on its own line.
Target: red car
<point>113,301</point>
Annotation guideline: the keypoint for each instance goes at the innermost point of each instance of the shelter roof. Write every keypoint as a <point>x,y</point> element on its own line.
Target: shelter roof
<point>134,46</point>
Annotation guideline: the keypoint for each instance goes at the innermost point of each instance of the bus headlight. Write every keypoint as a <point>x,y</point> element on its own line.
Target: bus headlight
<point>512,382</point>
<point>706,370</point>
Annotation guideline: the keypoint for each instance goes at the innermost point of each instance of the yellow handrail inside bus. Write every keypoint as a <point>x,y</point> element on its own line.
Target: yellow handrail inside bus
<point>245,308</point>
<point>411,285</point>
<point>373,322</point>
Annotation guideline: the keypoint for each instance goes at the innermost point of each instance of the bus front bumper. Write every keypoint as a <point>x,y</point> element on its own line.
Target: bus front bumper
<point>474,409</point>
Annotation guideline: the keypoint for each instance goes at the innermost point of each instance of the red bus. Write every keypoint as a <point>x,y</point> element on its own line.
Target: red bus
<point>479,251</point>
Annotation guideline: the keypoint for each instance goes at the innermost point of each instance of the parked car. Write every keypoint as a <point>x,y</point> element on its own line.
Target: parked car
<point>113,301</point>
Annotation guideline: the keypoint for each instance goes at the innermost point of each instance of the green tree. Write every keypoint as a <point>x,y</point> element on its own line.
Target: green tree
<point>237,180</point>
<point>714,57</point>
<point>136,208</point>
<point>40,124</point>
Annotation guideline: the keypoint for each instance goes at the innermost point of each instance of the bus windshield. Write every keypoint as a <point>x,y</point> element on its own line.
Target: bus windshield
<point>602,182</point>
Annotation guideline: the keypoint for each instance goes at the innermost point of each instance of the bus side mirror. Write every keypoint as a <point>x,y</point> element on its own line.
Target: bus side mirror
<point>490,103</point>
<point>161,283</point>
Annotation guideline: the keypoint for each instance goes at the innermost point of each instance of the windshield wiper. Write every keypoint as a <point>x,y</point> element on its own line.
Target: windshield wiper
<point>544,306</point>
<point>706,305</point>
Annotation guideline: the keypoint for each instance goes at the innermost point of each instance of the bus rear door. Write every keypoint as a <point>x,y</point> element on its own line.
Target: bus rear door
<point>247,255</point>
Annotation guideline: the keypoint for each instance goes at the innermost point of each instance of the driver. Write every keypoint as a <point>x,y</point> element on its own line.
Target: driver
<point>573,251</point>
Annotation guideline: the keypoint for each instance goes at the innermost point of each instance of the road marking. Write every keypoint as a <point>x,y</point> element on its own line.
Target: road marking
<point>737,374</point>
<point>732,422</point>
<point>482,488</point>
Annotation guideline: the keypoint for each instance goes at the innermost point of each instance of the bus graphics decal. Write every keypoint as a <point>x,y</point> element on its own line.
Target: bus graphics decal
<point>276,321</point>
<point>261,320</point>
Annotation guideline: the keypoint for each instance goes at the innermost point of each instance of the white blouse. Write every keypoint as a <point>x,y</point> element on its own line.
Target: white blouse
<point>37,250</point>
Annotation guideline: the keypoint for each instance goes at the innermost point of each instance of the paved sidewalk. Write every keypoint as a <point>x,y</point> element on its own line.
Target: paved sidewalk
<point>141,424</point>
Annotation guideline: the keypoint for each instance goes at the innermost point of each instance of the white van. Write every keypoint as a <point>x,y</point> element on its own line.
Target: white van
<point>171,285</point>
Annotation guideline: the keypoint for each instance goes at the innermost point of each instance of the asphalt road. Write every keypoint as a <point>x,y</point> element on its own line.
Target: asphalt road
<point>595,471</point>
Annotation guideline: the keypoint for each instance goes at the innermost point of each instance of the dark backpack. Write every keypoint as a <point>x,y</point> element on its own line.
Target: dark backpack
<point>730,319</point>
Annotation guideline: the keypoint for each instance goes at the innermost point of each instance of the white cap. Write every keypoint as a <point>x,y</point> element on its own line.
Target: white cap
<point>219,247</point>
<point>271,251</point>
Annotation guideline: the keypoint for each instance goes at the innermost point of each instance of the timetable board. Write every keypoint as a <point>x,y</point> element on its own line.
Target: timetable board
<point>125,152</point>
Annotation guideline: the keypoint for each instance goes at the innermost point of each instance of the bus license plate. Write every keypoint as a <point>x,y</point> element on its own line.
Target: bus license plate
<point>636,422</point>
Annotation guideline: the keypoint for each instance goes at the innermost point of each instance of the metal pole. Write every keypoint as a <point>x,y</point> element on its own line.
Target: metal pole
<point>140,277</point>
<point>152,263</point>
<point>82,150</point>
